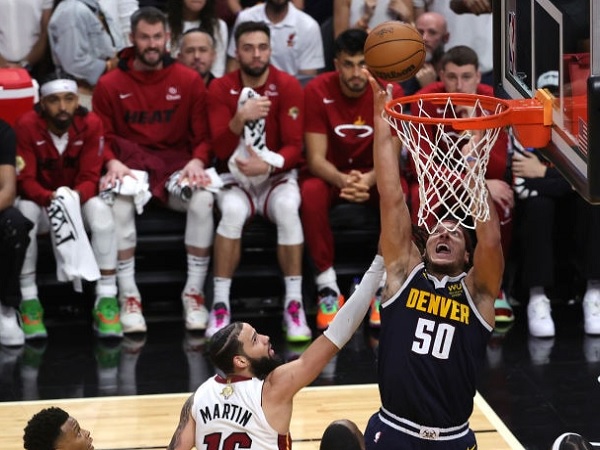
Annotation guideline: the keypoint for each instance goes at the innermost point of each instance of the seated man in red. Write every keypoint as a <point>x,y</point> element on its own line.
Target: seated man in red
<point>339,151</point>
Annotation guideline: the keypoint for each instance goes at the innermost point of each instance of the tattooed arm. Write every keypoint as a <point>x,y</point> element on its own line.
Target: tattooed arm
<point>184,437</point>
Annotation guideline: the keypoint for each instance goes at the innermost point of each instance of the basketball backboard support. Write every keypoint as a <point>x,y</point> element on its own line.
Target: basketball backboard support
<point>552,44</point>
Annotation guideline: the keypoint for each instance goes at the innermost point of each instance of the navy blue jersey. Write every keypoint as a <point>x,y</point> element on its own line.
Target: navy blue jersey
<point>432,342</point>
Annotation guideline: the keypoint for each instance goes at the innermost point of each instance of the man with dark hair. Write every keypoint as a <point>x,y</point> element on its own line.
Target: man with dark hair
<point>154,115</point>
<point>254,386</point>
<point>14,239</point>
<point>59,147</point>
<point>338,133</point>
<point>256,116</point>
<point>53,428</point>
<point>342,434</point>
<point>437,315</point>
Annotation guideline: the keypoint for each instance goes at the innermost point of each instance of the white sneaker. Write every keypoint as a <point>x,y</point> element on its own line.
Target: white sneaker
<point>218,318</point>
<point>131,315</point>
<point>539,317</point>
<point>294,323</point>
<point>194,311</point>
<point>11,333</point>
<point>591,312</point>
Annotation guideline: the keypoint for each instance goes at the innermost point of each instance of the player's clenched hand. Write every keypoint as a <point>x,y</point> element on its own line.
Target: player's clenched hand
<point>253,165</point>
<point>115,171</point>
<point>194,173</point>
<point>256,108</point>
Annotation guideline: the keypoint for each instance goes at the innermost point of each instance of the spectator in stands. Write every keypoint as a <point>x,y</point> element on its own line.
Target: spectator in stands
<point>14,239</point>
<point>197,51</point>
<point>470,24</point>
<point>60,145</point>
<point>367,14</point>
<point>257,118</point>
<point>297,46</point>
<point>339,153</point>
<point>84,43</point>
<point>154,115</point>
<point>120,11</point>
<point>433,28</point>
<point>187,14</point>
<point>24,32</point>
<point>460,73</point>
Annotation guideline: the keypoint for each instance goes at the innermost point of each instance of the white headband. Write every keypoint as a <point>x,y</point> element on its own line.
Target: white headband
<point>56,86</point>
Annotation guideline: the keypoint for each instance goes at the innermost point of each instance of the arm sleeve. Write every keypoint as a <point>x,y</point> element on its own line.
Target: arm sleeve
<point>221,110</point>
<point>90,164</point>
<point>199,124</point>
<point>348,318</point>
<point>27,182</point>
<point>291,125</point>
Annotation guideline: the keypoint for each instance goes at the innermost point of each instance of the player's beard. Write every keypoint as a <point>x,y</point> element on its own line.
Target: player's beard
<point>142,56</point>
<point>62,123</point>
<point>356,87</point>
<point>254,71</point>
<point>261,367</point>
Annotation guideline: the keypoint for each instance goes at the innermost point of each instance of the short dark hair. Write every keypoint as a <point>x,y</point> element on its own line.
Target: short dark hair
<point>224,345</point>
<point>148,14</point>
<point>461,55</point>
<point>251,27</point>
<point>199,29</point>
<point>351,41</point>
<point>44,428</point>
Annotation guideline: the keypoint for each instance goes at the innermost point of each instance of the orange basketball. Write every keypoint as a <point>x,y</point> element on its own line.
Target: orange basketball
<point>394,51</point>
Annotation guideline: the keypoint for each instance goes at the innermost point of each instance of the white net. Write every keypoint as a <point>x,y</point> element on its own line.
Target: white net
<point>450,165</point>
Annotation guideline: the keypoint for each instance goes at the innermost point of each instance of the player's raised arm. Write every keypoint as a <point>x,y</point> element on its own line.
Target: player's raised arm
<point>398,251</point>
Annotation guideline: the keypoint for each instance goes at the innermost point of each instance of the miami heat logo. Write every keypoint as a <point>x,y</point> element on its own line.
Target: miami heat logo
<point>359,129</point>
<point>291,40</point>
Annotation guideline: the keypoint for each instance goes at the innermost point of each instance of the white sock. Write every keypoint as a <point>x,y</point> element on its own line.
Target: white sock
<point>126,278</point>
<point>197,268</point>
<point>222,288</point>
<point>327,278</point>
<point>293,288</point>
<point>536,292</point>
<point>106,286</point>
<point>29,289</point>
<point>593,285</point>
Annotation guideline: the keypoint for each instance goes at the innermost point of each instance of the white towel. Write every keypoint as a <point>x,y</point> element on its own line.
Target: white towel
<point>138,188</point>
<point>255,137</point>
<point>74,256</point>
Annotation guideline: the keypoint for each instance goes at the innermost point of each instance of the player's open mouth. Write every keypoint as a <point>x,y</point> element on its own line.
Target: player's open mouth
<point>442,248</point>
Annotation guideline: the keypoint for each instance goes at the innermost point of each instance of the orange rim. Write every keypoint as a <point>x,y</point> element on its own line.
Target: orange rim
<point>531,118</point>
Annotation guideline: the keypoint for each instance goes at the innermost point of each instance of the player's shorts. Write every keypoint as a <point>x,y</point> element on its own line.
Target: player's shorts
<point>385,432</point>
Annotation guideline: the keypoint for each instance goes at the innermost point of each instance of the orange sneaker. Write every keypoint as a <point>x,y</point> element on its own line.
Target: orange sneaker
<point>329,304</point>
<point>374,314</point>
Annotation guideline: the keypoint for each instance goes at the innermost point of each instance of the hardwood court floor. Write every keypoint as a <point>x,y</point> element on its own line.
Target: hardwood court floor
<point>537,388</point>
<point>148,422</point>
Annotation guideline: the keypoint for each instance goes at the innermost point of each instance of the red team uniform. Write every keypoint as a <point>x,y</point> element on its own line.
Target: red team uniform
<point>348,124</point>
<point>154,120</point>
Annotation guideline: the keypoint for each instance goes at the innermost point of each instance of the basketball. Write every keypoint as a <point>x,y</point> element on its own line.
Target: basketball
<point>394,51</point>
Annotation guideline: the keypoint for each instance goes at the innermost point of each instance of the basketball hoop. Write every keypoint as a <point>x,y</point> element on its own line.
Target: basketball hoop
<point>449,137</point>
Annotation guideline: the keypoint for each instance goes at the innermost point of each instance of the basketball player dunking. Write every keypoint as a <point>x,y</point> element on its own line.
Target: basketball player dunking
<point>436,317</point>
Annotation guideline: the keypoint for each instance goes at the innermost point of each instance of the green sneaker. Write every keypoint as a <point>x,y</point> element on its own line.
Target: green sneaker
<point>32,316</point>
<point>107,321</point>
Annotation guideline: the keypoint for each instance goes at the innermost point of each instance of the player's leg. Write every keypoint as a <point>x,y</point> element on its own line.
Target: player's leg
<point>14,240</point>
<point>199,233</point>
<point>317,197</point>
<point>236,207</point>
<point>99,220</point>
<point>281,203</point>
<point>32,313</point>
<point>130,299</point>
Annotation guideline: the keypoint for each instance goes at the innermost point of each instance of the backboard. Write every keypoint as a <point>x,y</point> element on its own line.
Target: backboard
<point>552,44</point>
